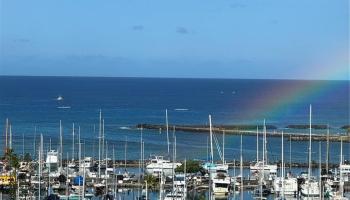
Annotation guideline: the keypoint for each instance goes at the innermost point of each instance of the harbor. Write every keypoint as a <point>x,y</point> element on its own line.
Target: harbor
<point>56,175</point>
<point>174,100</point>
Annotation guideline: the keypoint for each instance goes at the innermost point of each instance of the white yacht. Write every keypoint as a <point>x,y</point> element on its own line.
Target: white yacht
<point>87,163</point>
<point>72,164</point>
<point>159,165</point>
<point>290,186</point>
<point>180,183</point>
<point>269,170</point>
<point>180,190</point>
<point>310,189</point>
<point>52,160</point>
<point>344,171</point>
<point>220,180</point>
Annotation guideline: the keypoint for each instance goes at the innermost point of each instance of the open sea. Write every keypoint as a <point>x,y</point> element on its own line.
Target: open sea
<point>32,107</point>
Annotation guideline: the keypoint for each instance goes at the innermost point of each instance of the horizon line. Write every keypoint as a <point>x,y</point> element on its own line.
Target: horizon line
<point>165,77</point>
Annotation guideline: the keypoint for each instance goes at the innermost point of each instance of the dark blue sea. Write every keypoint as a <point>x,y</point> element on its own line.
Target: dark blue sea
<point>31,104</point>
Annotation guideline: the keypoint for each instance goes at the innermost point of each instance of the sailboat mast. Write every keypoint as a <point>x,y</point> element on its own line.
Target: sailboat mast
<point>67,176</point>
<point>175,150</point>
<point>265,143</point>
<point>141,149</point>
<point>257,143</point>
<point>23,146</point>
<point>320,168</point>
<point>167,130</point>
<point>61,145</point>
<point>10,136</point>
<point>40,158</point>
<point>79,147</point>
<point>341,184</point>
<point>106,163</point>
<point>73,143</point>
<point>310,117</point>
<point>172,165</point>
<point>143,157</point>
<point>34,148</point>
<point>84,180</point>
<point>185,171</point>
<point>223,147</point>
<point>327,153</point>
<point>290,152</point>
<point>282,154</point>
<point>125,148</point>
<point>103,137</point>
<point>263,153</point>
<point>341,150</point>
<point>139,178</point>
<point>114,177</point>
<point>282,165</point>
<point>241,167</point>
<point>211,141</point>
<point>99,145</point>
<point>208,149</point>
<point>6,131</point>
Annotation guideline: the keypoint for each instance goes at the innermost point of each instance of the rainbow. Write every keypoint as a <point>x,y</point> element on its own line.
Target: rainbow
<point>275,101</point>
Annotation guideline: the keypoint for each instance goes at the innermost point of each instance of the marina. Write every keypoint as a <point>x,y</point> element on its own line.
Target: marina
<point>174,100</point>
<point>56,175</point>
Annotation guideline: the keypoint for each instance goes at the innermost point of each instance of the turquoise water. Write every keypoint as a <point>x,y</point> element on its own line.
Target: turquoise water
<point>30,102</point>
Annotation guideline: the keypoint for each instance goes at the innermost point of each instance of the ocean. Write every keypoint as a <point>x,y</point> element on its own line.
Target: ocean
<point>32,107</point>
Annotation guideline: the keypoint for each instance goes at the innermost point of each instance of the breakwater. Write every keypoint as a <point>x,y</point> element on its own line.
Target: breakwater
<point>250,130</point>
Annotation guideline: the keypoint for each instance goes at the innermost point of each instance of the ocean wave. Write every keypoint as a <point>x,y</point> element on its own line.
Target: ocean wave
<point>124,128</point>
<point>63,107</point>
<point>181,109</point>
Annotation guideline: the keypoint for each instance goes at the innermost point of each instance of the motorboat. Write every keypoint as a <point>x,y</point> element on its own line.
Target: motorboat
<point>158,165</point>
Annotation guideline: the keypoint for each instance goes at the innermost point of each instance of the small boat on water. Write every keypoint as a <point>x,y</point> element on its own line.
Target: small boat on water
<point>59,98</point>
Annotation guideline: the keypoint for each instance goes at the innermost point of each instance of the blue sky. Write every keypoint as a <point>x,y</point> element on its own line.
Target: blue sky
<point>289,39</point>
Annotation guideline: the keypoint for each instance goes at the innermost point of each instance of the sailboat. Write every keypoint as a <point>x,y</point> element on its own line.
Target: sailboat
<point>179,189</point>
<point>72,163</point>
<point>332,192</point>
<point>311,187</point>
<point>285,186</point>
<point>158,164</point>
<point>262,166</point>
<point>218,173</point>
